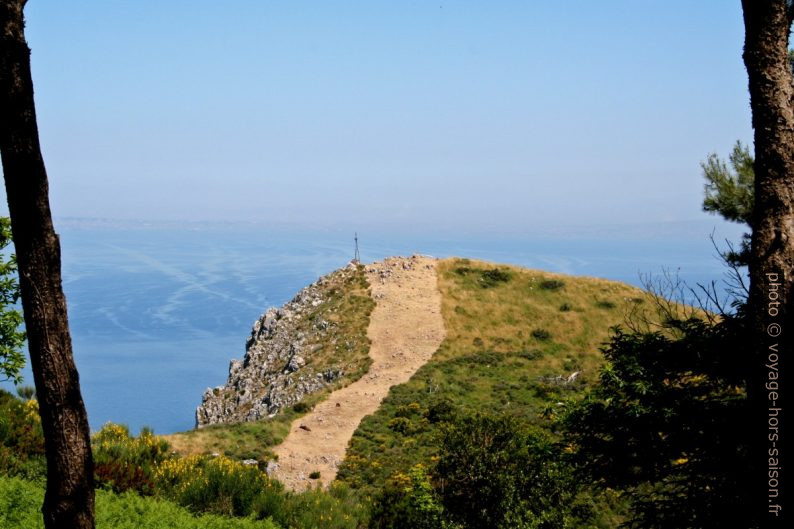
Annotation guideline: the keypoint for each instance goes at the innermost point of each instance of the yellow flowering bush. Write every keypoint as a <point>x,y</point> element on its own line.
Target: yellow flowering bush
<point>123,462</point>
<point>214,484</point>
<point>21,438</point>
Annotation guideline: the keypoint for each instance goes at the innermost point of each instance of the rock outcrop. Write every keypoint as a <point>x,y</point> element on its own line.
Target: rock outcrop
<point>280,366</point>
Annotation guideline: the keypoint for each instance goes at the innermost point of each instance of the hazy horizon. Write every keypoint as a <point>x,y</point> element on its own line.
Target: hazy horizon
<point>504,116</point>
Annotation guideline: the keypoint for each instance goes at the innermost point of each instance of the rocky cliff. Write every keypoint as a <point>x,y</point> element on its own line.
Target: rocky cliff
<point>316,340</point>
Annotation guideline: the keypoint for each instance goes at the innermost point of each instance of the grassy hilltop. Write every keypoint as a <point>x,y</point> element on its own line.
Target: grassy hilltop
<point>514,337</point>
<point>519,344</point>
<point>510,333</point>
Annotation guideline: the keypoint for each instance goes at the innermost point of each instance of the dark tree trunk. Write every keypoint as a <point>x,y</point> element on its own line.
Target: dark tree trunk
<point>767,24</point>
<point>69,499</point>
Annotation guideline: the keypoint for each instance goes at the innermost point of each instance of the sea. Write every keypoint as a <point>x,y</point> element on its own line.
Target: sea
<point>157,310</point>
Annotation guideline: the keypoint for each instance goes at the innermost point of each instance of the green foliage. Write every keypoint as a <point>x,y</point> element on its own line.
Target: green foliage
<point>337,508</point>
<point>662,425</point>
<point>26,392</point>
<point>541,334</point>
<point>409,500</point>
<point>217,485</point>
<point>20,506</point>
<point>488,363</point>
<point>552,284</point>
<point>730,193</point>
<point>487,278</point>
<point>11,338</point>
<point>21,437</point>
<point>497,474</point>
<point>123,462</point>
<point>300,407</point>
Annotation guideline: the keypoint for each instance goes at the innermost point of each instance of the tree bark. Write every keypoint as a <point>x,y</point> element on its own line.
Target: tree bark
<point>767,24</point>
<point>69,498</point>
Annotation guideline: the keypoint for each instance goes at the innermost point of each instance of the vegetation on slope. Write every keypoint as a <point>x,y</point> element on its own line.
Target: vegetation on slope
<point>518,342</point>
<point>347,308</point>
<point>142,483</point>
<point>20,506</point>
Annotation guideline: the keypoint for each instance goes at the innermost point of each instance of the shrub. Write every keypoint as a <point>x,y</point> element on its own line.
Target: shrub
<point>442,410</point>
<point>552,284</point>
<point>605,304</point>
<point>677,398</point>
<point>408,500</point>
<point>487,278</point>
<point>216,485</point>
<point>314,475</point>
<point>482,358</point>
<point>20,507</point>
<point>494,276</point>
<point>408,410</point>
<point>21,437</point>
<point>300,407</point>
<point>532,354</point>
<point>541,334</point>
<point>497,475</point>
<point>565,307</point>
<point>123,462</point>
<point>463,270</point>
<point>336,508</point>
<point>400,425</point>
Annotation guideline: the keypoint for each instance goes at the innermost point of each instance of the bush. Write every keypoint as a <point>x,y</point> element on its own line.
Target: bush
<point>337,508</point>
<point>300,407</point>
<point>497,475</point>
<point>217,485</point>
<point>401,425</point>
<point>487,278</point>
<point>123,462</point>
<point>532,354</point>
<point>314,475</point>
<point>552,284</point>
<point>20,506</point>
<point>408,410</point>
<point>442,410</point>
<point>676,397</point>
<point>565,307</point>
<point>409,500</point>
<point>541,335</point>
<point>21,437</point>
<point>491,278</point>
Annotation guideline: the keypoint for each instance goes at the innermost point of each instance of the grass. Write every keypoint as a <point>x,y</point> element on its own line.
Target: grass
<point>347,308</point>
<point>246,440</point>
<point>509,347</point>
<point>20,506</point>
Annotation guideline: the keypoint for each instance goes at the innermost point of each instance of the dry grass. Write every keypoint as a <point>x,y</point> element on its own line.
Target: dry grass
<point>513,337</point>
<point>514,315</point>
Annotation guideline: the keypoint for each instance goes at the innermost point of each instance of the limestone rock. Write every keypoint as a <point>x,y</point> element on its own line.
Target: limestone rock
<point>276,371</point>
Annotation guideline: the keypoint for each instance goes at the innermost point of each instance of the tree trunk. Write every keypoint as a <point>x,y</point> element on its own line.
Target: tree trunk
<point>767,24</point>
<point>69,499</point>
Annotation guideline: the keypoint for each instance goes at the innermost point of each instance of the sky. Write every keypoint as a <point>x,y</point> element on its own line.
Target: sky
<point>500,115</point>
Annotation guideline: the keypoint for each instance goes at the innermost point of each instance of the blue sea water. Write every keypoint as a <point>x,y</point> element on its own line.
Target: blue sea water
<point>157,312</point>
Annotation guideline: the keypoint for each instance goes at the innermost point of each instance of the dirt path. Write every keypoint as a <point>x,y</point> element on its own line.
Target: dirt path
<point>406,328</point>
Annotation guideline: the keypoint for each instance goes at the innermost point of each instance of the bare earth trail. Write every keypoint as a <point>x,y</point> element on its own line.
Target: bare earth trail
<point>405,329</point>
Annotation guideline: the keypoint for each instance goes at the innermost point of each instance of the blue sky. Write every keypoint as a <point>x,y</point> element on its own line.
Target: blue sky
<point>501,115</point>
